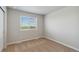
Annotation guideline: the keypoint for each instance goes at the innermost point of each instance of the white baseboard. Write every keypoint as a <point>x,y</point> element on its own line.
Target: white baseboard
<point>22,41</point>
<point>62,43</point>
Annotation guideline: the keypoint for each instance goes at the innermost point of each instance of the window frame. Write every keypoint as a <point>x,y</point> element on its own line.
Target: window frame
<point>29,28</point>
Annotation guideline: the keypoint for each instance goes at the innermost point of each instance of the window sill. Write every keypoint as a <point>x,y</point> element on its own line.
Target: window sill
<point>27,29</point>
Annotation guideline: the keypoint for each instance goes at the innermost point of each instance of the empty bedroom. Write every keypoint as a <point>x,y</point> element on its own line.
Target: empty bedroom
<point>39,28</point>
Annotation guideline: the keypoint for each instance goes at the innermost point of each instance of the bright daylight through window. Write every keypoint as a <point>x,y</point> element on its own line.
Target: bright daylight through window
<point>28,22</point>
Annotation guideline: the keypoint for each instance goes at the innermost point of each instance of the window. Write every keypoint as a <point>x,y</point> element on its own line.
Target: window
<point>28,22</point>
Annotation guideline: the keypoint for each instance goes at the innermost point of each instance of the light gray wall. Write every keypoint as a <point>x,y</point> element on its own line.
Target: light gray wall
<point>3,27</point>
<point>14,33</point>
<point>63,26</point>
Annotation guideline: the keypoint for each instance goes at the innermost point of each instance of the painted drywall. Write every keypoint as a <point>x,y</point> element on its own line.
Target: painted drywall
<point>63,26</point>
<point>14,33</point>
<point>5,26</point>
<point>1,29</point>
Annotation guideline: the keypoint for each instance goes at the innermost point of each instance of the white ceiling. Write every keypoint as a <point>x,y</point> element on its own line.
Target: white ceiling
<point>43,10</point>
